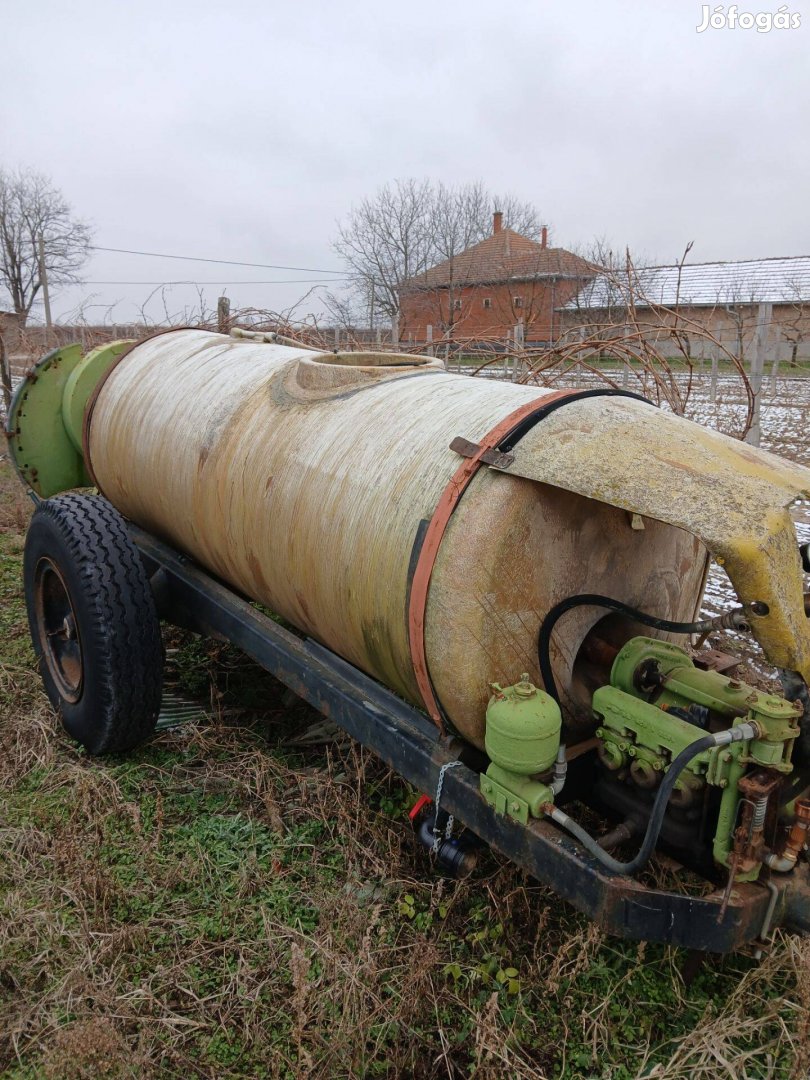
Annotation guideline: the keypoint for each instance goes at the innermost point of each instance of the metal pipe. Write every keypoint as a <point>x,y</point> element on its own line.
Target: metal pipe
<point>766,922</point>
<point>271,338</point>
<point>598,651</point>
<point>624,831</point>
<point>560,770</point>
<point>783,862</point>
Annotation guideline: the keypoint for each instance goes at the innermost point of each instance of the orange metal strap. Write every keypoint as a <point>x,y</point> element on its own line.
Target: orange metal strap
<point>417,603</point>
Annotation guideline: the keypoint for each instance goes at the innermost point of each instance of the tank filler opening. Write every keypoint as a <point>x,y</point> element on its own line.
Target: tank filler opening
<point>371,360</point>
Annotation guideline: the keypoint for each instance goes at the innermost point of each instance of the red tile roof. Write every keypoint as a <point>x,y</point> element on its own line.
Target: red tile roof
<point>504,256</point>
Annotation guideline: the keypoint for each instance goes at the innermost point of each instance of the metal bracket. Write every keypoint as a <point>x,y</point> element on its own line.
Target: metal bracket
<point>714,660</point>
<point>503,800</point>
<point>469,449</point>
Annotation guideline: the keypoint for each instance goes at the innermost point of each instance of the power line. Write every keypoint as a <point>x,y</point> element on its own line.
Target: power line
<point>277,281</point>
<point>225,262</point>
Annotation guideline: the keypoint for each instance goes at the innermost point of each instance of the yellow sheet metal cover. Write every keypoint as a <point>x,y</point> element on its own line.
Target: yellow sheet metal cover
<point>732,496</point>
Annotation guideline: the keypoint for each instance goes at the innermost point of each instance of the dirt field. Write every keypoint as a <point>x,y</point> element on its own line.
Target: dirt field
<point>223,903</point>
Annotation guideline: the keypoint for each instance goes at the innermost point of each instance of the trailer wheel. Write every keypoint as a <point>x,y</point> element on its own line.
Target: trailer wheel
<point>93,622</point>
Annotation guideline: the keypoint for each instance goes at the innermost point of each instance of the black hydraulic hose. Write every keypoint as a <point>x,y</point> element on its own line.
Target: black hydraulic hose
<point>656,817</point>
<point>595,600</point>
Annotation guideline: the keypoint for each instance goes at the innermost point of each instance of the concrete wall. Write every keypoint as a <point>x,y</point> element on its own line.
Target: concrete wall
<point>788,339</point>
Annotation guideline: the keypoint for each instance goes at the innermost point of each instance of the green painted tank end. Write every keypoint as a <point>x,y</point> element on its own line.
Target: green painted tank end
<point>44,427</point>
<point>81,383</point>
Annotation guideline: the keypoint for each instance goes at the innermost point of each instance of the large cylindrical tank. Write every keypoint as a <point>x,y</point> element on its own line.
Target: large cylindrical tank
<point>307,481</point>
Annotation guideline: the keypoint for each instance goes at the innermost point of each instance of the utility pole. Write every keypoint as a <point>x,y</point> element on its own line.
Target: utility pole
<point>43,277</point>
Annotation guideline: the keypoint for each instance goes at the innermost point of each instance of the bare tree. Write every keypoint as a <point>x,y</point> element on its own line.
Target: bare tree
<point>33,210</point>
<point>409,226</point>
<point>346,311</point>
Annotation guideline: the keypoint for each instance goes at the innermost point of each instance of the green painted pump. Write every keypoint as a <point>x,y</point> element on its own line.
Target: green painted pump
<point>650,712</point>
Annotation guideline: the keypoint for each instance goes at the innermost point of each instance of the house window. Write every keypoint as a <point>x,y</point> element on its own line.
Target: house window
<point>487,302</point>
<point>517,301</point>
<point>456,305</point>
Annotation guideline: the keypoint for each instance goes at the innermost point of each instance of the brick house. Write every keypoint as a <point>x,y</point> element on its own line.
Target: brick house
<point>506,280</point>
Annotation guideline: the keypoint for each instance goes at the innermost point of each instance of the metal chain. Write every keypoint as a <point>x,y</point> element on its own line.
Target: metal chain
<point>448,831</point>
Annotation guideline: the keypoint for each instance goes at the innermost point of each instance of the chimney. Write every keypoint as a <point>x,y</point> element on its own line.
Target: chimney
<point>544,236</point>
<point>497,222</point>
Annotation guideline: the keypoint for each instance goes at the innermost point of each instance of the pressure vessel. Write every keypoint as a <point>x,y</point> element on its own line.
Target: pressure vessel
<point>315,483</point>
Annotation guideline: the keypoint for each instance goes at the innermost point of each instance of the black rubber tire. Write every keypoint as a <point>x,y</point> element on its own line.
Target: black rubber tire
<point>78,551</point>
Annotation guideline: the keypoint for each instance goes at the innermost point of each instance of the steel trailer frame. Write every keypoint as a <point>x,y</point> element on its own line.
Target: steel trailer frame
<point>408,741</point>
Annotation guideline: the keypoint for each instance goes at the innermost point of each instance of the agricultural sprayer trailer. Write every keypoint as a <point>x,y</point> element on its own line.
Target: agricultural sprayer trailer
<point>492,586</point>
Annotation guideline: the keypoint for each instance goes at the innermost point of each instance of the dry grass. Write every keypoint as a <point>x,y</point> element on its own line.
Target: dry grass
<point>220,904</point>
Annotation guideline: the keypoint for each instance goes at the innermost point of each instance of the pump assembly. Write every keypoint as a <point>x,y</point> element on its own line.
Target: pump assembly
<point>495,587</point>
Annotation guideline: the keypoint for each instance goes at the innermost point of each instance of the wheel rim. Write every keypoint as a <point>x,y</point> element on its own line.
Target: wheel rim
<point>58,630</point>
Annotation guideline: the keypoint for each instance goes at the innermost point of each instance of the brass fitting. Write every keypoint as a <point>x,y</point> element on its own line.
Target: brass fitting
<point>798,833</point>
<point>796,841</point>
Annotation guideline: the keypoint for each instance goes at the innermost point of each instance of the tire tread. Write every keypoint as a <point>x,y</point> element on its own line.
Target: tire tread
<point>127,650</point>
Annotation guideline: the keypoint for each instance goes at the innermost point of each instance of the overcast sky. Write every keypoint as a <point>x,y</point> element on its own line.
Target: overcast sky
<point>245,130</point>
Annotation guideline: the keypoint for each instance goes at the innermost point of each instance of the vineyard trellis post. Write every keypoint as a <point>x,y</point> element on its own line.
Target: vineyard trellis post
<point>759,346</point>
